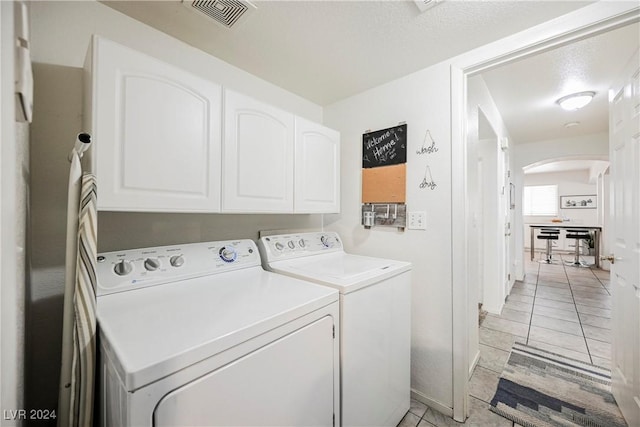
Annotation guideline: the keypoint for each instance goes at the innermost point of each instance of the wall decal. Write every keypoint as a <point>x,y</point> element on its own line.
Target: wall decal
<point>427,181</point>
<point>432,148</point>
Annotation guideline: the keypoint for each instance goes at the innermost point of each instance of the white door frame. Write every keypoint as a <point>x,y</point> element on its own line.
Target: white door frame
<point>585,22</point>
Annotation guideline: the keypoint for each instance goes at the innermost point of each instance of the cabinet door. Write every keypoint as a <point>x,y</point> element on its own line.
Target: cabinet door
<point>156,132</point>
<point>317,168</point>
<point>258,156</point>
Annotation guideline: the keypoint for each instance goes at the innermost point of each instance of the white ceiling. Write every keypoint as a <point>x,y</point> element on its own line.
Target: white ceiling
<point>325,50</point>
<point>328,50</point>
<point>526,91</point>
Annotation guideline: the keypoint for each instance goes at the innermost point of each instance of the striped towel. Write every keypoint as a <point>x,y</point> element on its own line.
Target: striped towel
<point>84,304</point>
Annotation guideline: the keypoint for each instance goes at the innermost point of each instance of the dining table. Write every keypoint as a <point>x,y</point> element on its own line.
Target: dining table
<point>597,230</point>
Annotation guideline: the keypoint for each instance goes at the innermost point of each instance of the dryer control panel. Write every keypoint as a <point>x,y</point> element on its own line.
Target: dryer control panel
<point>287,246</point>
<point>138,268</point>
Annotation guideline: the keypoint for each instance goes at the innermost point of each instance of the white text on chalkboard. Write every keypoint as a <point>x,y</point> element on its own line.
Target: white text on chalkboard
<point>384,147</point>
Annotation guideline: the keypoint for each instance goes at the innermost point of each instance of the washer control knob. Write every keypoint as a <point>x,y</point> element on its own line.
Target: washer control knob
<point>152,264</point>
<point>326,241</point>
<point>302,243</point>
<point>228,254</point>
<point>176,261</point>
<point>279,246</point>
<point>123,267</point>
<point>291,244</point>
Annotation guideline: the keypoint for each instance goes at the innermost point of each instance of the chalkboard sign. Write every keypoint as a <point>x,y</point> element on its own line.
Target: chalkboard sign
<point>384,147</point>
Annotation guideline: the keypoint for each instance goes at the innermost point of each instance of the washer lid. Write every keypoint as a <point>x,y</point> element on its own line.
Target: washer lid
<point>345,272</point>
<point>156,331</point>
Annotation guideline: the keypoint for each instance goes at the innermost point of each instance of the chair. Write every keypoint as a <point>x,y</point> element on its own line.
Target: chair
<point>548,234</point>
<point>577,234</point>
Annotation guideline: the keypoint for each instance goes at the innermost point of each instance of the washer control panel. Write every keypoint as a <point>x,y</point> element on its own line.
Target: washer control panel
<point>138,268</point>
<point>286,246</point>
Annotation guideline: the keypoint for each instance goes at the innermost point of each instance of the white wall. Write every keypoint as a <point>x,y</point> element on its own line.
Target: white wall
<point>422,100</point>
<point>14,163</point>
<point>485,128</point>
<point>60,37</point>
<point>569,183</point>
<point>595,146</point>
<point>426,96</point>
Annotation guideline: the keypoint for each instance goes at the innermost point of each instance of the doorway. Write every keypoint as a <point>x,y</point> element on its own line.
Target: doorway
<point>488,222</point>
<point>596,19</point>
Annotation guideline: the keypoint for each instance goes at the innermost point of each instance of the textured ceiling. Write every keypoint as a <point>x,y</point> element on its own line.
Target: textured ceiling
<point>525,91</point>
<point>328,50</point>
<point>325,51</point>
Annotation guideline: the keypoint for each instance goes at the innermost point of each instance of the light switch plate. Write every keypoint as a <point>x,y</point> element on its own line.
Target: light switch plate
<point>417,220</point>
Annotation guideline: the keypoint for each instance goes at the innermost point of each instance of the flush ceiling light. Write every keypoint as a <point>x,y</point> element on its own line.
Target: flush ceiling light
<point>576,101</point>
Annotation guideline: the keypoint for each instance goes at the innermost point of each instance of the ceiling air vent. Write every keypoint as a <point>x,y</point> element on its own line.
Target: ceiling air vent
<point>423,5</point>
<point>227,13</point>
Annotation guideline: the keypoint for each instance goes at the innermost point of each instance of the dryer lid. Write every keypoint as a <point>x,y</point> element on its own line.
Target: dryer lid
<point>345,272</point>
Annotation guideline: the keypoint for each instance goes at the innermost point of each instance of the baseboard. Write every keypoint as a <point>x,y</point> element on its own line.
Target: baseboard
<point>476,359</point>
<point>443,409</point>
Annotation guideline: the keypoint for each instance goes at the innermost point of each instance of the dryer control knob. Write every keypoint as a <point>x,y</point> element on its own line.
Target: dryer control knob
<point>326,241</point>
<point>291,244</point>
<point>228,254</point>
<point>123,267</point>
<point>176,261</point>
<point>302,243</point>
<point>279,246</point>
<point>152,264</point>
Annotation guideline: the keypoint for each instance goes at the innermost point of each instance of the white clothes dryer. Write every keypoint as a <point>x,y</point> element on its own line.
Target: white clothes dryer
<point>375,320</point>
<point>199,334</point>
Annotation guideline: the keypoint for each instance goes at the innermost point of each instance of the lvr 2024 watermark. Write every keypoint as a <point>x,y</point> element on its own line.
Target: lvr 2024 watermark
<point>29,414</point>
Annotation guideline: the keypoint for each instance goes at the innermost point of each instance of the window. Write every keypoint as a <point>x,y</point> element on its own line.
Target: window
<point>540,200</point>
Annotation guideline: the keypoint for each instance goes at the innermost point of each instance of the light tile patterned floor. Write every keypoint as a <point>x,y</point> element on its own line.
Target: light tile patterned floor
<point>557,307</point>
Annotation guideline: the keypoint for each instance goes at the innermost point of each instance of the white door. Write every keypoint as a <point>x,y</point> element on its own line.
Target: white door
<point>258,156</point>
<point>624,154</point>
<point>317,168</point>
<point>156,132</point>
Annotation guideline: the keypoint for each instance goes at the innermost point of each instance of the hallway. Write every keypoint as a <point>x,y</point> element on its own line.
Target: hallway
<point>561,309</point>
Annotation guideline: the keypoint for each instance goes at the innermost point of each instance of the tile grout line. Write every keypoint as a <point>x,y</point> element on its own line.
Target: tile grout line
<point>586,344</point>
<point>610,331</point>
<point>493,347</point>
<point>600,281</point>
<point>533,304</point>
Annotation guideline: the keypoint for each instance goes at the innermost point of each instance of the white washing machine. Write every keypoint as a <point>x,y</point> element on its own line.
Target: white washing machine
<point>375,318</point>
<point>199,334</point>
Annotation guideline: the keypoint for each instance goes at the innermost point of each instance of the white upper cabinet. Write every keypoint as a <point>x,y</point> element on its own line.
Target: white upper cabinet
<point>158,143</point>
<point>258,156</point>
<point>156,132</point>
<point>317,168</point>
